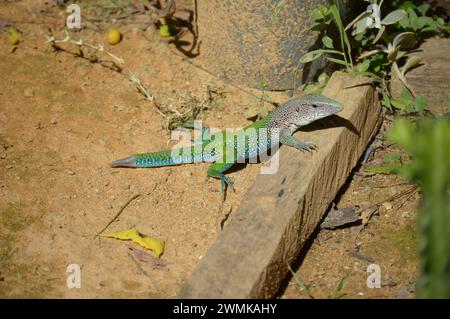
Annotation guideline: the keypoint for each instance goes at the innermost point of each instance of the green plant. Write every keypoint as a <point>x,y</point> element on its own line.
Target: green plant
<point>322,18</point>
<point>448,105</point>
<point>300,283</point>
<point>318,86</point>
<point>407,102</point>
<point>396,46</point>
<point>417,20</point>
<point>399,29</point>
<point>371,18</point>
<point>427,142</point>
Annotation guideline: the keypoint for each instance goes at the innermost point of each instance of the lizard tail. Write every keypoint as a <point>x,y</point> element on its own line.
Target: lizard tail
<point>158,159</point>
<point>124,162</point>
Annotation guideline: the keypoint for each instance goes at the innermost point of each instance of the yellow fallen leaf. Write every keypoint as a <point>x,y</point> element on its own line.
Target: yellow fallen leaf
<point>14,37</point>
<point>151,243</point>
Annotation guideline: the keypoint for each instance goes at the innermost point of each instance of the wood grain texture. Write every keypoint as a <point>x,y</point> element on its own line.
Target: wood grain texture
<point>280,211</point>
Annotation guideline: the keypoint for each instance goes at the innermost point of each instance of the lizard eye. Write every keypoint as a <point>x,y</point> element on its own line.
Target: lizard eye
<point>314,105</point>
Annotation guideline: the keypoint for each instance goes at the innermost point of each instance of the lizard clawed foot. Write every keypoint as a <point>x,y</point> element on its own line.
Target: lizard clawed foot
<point>225,179</point>
<point>305,146</point>
<point>308,146</point>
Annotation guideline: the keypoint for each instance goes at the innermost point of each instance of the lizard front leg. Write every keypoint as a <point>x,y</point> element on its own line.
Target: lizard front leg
<point>287,139</point>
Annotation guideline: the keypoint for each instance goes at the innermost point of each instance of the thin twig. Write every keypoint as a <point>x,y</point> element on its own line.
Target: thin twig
<point>80,43</point>
<point>144,91</point>
<point>118,214</point>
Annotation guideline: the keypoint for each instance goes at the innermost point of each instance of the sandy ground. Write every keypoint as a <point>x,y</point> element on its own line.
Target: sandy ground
<point>63,119</point>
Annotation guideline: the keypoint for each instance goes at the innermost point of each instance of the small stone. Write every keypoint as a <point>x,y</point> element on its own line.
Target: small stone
<point>387,205</point>
<point>388,283</point>
<point>70,172</point>
<point>360,294</point>
<point>406,214</point>
<point>9,166</point>
<point>107,183</point>
<point>28,92</point>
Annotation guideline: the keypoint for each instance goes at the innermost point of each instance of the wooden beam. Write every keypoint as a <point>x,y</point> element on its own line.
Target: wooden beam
<point>280,211</point>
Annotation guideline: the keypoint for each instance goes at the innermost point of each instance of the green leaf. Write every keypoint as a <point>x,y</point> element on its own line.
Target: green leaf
<point>386,101</point>
<point>394,17</point>
<point>407,4</point>
<point>402,132</point>
<point>360,17</point>
<point>327,42</point>
<point>401,77</point>
<point>312,89</point>
<point>340,286</point>
<point>317,14</point>
<point>299,282</point>
<point>338,61</point>
<point>423,8</point>
<point>379,34</point>
<point>263,85</point>
<point>323,78</point>
<point>406,95</point>
<point>421,22</point>
<point>411,63</point>
<point>412,15</point>
<point>386,170</point>
<point>405,40</point>
<point>393,53</point>
<point>399,104</point>
<point>370,74</point>
<point>404,23</point>
<point>420,103</point>
<point>364,66</point>
<point>324,10</point>
<point>311,56</point>
<point>394,156</point>
<point>360,26</point>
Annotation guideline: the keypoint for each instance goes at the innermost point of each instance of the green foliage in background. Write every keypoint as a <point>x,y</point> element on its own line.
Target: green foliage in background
<point>380,40</point>
<point>428,144</point>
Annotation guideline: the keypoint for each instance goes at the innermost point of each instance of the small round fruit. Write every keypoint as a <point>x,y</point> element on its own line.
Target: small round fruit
<point>114,36</point>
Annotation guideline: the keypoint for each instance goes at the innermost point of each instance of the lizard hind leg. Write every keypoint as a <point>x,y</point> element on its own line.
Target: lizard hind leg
<point>216,170</point>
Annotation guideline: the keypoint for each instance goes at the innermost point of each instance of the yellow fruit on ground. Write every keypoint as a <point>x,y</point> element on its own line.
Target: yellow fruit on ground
<point>113,36</point>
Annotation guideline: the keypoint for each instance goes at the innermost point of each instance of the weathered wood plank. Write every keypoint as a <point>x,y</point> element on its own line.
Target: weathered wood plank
<point>280,211</point>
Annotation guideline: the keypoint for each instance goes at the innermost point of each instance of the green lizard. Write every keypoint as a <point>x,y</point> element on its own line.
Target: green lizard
<point>225,150</point>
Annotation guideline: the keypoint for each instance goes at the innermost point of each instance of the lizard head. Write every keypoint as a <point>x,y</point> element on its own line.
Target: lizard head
<point>313,107</point>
